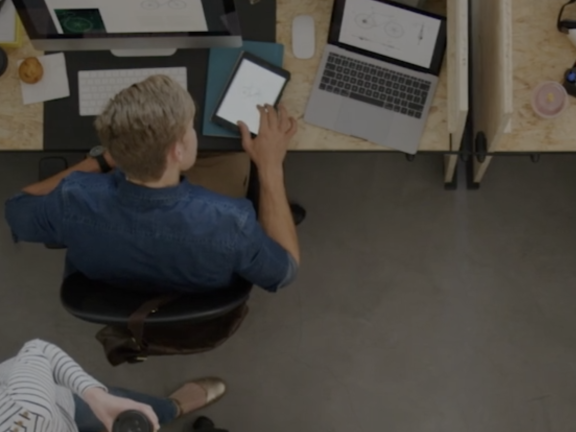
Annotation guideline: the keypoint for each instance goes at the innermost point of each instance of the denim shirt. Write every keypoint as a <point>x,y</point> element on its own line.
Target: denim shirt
<point>183,237</point>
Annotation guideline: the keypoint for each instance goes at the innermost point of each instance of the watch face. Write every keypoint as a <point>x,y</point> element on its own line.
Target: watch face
<point>96,151</point>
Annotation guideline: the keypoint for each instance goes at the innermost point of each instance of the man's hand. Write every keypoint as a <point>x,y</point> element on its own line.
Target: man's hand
<point>107,407</point>
<point>268,151</point>
<point>269,148</point>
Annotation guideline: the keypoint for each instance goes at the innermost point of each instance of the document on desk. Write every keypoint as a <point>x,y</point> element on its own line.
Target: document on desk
<point>8,22</point>
<point>54,82</point>
<point>127,16</point>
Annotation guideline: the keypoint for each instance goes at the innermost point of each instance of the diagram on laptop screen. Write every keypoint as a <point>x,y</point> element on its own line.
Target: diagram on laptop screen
<point>390,31</point>
<point>155,4</point>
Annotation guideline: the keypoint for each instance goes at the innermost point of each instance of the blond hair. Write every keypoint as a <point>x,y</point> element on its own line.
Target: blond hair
<point>141,124</point>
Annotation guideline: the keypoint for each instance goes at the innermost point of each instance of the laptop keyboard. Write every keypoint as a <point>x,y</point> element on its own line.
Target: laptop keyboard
<point>375,85</point>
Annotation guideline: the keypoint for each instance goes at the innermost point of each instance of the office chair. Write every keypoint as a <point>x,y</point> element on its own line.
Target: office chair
<point>100,303</point>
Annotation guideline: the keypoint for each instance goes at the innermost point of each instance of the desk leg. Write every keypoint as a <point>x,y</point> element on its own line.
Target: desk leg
<point>450,165</point>
<point>480,169</point>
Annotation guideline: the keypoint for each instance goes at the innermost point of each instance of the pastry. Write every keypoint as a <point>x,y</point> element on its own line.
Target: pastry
<point>31,70</point>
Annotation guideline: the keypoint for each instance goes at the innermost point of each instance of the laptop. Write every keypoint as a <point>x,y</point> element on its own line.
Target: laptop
<point>379,72</point>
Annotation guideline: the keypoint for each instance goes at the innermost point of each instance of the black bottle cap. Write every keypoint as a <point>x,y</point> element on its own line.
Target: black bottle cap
<point>3,61</point>
<point>132,421</point>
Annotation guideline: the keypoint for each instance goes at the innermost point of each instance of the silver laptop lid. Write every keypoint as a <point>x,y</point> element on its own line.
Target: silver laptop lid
<point>391,32</point>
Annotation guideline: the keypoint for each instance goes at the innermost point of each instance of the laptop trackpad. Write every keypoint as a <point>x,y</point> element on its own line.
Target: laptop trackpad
<point>364,121</point>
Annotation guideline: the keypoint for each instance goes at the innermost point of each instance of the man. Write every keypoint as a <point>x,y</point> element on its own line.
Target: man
<point>147,224</point>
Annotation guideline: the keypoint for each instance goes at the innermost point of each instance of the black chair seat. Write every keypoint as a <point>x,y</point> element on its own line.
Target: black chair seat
<point>100,303</point>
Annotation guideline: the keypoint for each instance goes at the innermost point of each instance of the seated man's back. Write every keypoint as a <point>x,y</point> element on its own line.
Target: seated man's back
<point>153,227</point>
<point>185,237</point>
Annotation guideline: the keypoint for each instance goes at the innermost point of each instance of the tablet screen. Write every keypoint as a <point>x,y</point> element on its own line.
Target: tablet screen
<point>252,85</point>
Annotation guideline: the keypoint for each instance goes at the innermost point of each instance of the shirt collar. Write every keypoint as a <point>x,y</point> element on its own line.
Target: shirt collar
<point>133,190</point>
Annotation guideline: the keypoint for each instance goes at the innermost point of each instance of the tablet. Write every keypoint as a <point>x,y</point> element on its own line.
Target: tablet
<point>253,82</point>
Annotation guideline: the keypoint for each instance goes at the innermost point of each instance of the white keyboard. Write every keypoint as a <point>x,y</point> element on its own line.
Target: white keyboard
<point>96,88</point>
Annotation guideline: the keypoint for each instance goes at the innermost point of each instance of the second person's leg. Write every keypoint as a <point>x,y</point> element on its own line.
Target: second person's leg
<point>165,409</point>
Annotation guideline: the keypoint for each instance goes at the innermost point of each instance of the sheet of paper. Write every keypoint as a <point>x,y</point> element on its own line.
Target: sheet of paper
<point>8,22</point>
<point>390,31</point>
<point>127,16</point>
<point>54,82</point>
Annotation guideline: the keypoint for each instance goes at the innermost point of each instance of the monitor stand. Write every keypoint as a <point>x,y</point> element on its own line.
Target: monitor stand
<point>158,52</point>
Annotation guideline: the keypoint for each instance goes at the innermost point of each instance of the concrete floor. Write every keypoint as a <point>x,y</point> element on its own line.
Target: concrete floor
<point>416,309</point>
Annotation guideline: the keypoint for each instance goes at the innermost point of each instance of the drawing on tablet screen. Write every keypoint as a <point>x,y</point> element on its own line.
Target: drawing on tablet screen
<point>155,4</point>
<point>251,92</point>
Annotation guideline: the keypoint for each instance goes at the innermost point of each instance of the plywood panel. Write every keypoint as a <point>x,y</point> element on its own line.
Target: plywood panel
<point>493,98</point>
<point>457,69</point>
<point>540,53</point>
<point>493,85</point>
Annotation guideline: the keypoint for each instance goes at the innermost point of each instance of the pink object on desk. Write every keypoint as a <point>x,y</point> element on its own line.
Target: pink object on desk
<point>549,99</point>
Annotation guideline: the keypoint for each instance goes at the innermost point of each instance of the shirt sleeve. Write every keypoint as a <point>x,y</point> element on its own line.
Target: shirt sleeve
<point>36,218</point>
<point>262,260</point>
<point>38,367</point>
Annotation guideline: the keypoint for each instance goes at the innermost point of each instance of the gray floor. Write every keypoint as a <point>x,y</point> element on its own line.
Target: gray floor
<point>416,309</point>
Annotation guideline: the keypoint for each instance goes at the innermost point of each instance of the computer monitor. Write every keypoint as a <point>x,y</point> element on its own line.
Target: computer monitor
<point>130,27</point>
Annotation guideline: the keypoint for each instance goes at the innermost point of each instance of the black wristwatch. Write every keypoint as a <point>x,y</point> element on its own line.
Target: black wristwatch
<point>98,154</point>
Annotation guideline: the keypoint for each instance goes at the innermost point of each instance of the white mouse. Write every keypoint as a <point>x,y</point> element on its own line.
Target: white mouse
<point>303,37</point>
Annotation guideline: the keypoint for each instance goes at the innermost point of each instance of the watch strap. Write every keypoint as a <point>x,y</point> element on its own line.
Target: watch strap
<point>103,164</point>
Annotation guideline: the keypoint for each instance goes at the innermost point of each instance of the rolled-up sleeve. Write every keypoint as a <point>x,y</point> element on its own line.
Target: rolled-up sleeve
<point>261,260</point>
<point>35,218</point>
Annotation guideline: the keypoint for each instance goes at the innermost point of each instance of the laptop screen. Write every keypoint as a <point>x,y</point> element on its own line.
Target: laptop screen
<point>390,31</point>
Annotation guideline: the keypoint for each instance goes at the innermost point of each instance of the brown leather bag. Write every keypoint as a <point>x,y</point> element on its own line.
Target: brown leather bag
<point>136,342</point>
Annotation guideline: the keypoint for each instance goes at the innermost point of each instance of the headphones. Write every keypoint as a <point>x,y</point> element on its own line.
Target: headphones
<point>567,26</point>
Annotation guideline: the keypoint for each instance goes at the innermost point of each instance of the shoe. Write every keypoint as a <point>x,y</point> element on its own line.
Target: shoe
<point>203,424</point>
<point>215,389</point>
<point>198,394</point>
<point>298,213</point>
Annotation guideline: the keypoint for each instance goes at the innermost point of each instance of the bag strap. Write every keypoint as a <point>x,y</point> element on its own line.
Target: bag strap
<point>136,320</point>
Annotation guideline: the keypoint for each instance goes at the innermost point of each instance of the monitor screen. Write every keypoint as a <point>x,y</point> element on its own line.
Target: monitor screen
<point>64,19</point>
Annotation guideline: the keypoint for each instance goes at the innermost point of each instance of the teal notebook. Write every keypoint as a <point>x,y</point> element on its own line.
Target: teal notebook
<point>220,65</point>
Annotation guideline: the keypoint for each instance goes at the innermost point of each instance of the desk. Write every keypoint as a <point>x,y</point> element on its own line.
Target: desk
<point>21,127</point>
<point>525,50</point>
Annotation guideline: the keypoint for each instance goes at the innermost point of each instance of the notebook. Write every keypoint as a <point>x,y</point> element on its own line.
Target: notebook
<point>220,65</point>
<point>10,34</point>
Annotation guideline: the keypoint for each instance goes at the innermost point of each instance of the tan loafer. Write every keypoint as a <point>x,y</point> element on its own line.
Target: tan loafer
<point>215,389</point>
<point>189,397</point>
